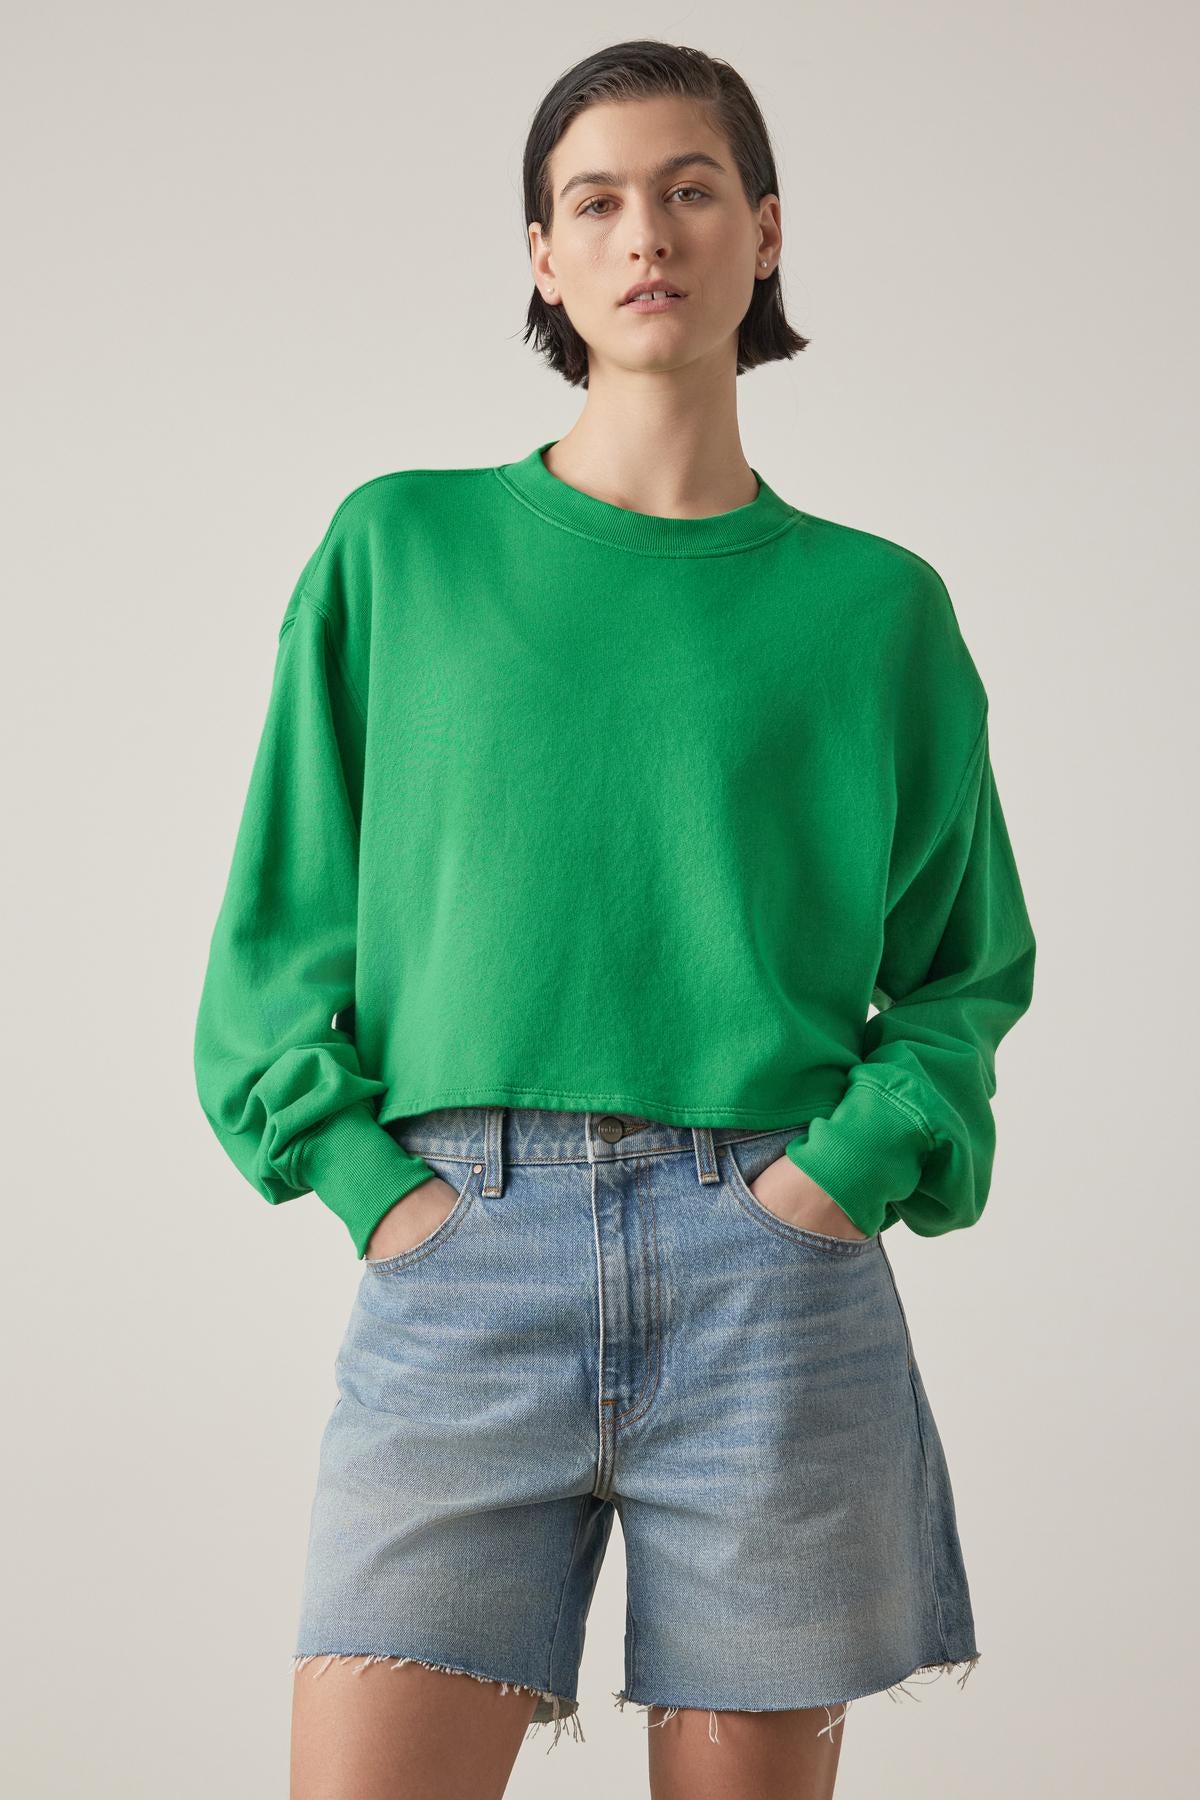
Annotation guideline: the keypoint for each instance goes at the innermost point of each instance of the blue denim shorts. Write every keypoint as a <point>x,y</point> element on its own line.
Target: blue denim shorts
<point>608,1322</point>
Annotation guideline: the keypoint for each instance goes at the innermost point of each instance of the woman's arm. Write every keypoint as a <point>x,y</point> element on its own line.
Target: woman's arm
<point>278,1076</point>
<point>914,1135</point>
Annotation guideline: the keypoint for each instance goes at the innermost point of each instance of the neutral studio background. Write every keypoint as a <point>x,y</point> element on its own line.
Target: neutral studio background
<point>259,253</point>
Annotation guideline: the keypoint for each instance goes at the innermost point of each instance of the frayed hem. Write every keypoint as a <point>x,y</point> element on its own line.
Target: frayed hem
<point>565,1711</point>
<point>935,1670</point>
<point>622,1699</point>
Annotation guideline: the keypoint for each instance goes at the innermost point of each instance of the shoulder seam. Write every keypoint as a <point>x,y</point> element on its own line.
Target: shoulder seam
<point>880,537</point>
<point>318,555</point>
<point>305,599</point>
<point>962,790</point>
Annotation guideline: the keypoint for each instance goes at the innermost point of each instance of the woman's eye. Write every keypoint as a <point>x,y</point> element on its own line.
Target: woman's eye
<point>602,201</point>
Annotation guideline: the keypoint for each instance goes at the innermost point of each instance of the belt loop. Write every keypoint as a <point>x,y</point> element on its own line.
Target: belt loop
<point>706,1156</point>
<point>493,1150</point>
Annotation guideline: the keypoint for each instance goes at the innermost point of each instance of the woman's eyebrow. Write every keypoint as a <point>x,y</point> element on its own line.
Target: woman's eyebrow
<point>671,166</point>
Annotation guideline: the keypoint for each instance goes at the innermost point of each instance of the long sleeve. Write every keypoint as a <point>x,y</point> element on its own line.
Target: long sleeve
<point>913,1138</point>
<point>277,1069</point>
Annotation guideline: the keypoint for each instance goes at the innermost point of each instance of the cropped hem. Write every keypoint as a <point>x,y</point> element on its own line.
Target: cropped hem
<point>811,1101</point>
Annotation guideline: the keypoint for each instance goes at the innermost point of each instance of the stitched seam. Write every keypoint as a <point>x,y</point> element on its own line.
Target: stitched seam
<point>631,1412</point>
<point>419,1252</point>
<point>654,1295</point>
<point>643,1107</point>
<point>960,793</point>
<point>910,1357</point>
<point>765,1219</point>
<point>370,482</point>
<point>306,599</point>
<point>563,1594</point>
<point>595,537</point>
<point>910,1112</point>
<point>581,1162</point>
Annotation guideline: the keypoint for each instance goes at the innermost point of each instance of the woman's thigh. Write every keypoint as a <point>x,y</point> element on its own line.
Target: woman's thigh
<point>379,1731</point>
<point>753,1756</point>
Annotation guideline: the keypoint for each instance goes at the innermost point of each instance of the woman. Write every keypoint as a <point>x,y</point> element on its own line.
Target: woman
<point>601,795</point>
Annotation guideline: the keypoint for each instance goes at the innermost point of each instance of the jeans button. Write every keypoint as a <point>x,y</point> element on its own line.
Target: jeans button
<point>611,1128</point>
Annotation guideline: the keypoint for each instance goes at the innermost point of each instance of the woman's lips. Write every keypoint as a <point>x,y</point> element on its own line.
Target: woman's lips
<point>644,303</point>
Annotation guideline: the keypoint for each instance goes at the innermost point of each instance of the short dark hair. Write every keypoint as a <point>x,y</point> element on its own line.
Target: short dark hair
<point>638,70</point>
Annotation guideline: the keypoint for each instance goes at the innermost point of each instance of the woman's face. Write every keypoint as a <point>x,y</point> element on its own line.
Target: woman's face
<point>646,190</point>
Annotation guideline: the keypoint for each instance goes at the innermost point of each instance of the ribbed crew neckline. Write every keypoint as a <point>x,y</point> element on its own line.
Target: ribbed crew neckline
<point>648,534</point>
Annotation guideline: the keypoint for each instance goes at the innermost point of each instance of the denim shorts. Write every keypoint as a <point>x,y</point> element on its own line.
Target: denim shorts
<point>608,1322</point>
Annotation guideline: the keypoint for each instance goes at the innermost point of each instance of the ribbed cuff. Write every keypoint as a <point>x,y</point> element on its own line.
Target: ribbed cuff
<point>358,1169</point>
<point>870,1151</point>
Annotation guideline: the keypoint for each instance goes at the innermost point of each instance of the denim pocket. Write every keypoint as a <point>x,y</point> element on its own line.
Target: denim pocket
<point>449,1171</point>
<point>746,1160</point>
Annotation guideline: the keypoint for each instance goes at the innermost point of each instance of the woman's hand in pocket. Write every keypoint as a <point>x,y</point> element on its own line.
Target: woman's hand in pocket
<point>415,1216</point>
<point>786,1190</point>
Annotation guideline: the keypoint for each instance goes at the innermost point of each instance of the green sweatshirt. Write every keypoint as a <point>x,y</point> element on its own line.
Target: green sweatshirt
<point>562,805</point>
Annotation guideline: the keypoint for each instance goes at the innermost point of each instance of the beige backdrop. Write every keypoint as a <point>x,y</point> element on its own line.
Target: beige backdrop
<point>260,253</point>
